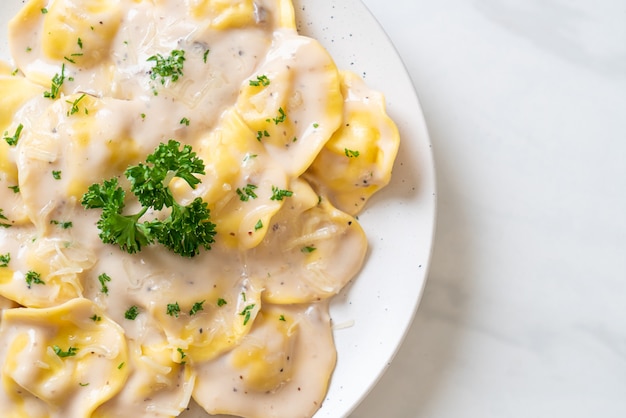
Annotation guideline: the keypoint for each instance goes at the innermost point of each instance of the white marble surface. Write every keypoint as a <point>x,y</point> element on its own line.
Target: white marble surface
<point>524,312</point>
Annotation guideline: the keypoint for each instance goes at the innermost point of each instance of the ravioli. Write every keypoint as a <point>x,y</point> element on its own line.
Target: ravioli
<point>291,149</point>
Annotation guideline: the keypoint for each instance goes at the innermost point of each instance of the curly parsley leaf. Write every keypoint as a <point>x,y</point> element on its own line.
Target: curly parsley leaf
<point>184,231</point>
<point>149,181</point>
<point>116,228</point>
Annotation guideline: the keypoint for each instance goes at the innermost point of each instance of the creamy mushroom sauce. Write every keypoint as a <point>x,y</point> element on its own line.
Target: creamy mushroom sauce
<point>261,105</point>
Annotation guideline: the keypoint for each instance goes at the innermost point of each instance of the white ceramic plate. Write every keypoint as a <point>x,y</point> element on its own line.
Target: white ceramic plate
<point>399,221</point>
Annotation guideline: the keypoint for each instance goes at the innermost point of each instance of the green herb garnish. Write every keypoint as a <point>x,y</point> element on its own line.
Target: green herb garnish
<point>74,104</point>
<point>246,313</point>
<point>261,80</point>
<point>63,225</point>
<point>32,277</point>
<point>281,116</point>
<point>131,313</point>
<point>184,231</point>
<point>55,87</point>
<point>173,309</point>
<point>246,192</point>
<point>71,351</point>
<point>197,307</point>
<point>5,259</point>
<point>168,67</point>
<point>279,194</point>
<point>12,140</point>
<point>4,218</point>
<point>103,279</point>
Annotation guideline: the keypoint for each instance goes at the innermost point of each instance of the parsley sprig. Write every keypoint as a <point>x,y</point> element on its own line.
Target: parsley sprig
<point>184,231</point>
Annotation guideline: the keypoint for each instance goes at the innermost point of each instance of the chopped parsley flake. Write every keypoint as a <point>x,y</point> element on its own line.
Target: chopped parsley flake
<point>103,279</point>
<point>173,309</point>
<point>63,225</point>
<point>261,134</point>
<point>258,225</point>
<point>205,55</point>
<point>74,108</point>
<point>246,313</point>
<point>5,259</point>
<point>184,121</point>
<point>279,194</point>
<point>16,189</point>
<point>55,87</point>
<point>44,10</point>
<point>12,140</point>
<point>246,193</point>
<point>197,307</point>
<point>4,218</point>
<point>281,116</point>
<point>282,318</point>
<point>32,277</point>
<point>80,43</point>
<point>351,153</point>
<point>56,174</point>
<point>221,302</point>
<point>308,249</point>
<point>119,366</point>
<point>131,313</point>
<point>261,80</point>
<point>95,318</point>
<point>168,67</point>
<point>71,351</point>
<point>182,355</point>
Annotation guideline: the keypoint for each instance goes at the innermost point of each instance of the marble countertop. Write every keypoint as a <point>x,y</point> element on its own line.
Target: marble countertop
<point>524,311</point>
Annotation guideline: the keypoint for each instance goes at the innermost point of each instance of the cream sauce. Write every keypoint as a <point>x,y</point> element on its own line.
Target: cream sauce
<point>88,330</point>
